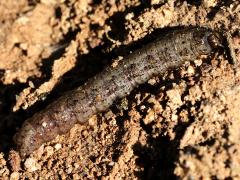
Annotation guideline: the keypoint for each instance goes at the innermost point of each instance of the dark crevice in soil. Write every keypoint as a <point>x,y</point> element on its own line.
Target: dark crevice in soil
<point>194,2</point>
<point>33,2</point>
<point>157,158</point>
<point>192,150</point>
<point>116,146</point>
<point>9,119</point>
<point>209,142</point>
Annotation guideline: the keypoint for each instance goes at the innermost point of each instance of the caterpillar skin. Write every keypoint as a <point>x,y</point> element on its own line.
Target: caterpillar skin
<point>98,94</point>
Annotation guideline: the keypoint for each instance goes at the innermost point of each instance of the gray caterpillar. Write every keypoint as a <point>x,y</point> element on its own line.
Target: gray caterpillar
<point>98,94</point>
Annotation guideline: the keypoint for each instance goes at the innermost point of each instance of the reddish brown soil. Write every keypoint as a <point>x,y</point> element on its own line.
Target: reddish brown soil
<point>184,124</point>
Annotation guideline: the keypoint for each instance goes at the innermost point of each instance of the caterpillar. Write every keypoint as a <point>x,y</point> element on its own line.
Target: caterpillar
<point>99,92</point>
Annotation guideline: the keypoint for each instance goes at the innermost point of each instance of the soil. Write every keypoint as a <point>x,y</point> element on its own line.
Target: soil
<point>184,124</point>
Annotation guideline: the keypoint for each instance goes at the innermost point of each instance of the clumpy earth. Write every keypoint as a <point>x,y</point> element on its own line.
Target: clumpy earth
<point>184,124</point>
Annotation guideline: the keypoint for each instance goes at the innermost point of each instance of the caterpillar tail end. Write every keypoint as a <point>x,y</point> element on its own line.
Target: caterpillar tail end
<point>25,140</point>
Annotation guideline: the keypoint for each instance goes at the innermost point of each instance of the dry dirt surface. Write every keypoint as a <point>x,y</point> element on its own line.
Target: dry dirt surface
<point>184,124</point>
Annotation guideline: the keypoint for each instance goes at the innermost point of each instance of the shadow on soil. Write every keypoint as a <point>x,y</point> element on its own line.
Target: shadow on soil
<point>156,158</point>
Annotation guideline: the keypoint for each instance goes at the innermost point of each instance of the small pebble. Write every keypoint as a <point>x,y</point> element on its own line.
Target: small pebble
<point>58,146</point>
<point>14,176</point>
<point>149,117</point>
<point>32,165</point>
